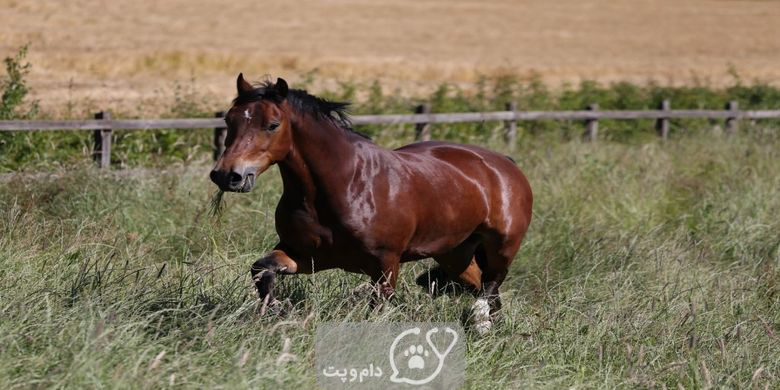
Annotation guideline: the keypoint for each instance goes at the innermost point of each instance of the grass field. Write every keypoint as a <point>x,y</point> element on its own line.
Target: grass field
<point>647,265</point>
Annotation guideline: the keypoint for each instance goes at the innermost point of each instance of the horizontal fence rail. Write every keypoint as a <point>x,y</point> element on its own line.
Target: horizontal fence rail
<point>103,124</point>
<point>98,124</point>
<point>203,123</point>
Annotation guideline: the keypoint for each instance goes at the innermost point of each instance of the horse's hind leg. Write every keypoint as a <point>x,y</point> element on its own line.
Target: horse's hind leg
<point>494,258</point>
<point>458,265</point>
<point>461,268</point>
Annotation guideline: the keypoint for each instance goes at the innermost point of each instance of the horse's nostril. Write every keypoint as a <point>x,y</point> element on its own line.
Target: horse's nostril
<point>214,176</point>
<point>235,178</point>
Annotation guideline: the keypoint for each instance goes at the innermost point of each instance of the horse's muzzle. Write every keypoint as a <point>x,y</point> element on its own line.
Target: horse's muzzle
<point>233,181</point>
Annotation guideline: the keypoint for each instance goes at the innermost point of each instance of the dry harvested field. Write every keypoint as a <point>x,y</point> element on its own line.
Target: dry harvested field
<point>121,53</point>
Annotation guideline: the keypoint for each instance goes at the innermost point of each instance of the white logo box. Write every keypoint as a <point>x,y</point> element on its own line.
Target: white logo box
<point>389,355</point>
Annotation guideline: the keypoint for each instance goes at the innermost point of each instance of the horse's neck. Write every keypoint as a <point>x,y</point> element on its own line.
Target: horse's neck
<point>297,181</point>
<point>322,161</point>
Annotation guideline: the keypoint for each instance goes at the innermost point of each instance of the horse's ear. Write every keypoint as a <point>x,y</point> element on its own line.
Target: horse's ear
<point>242,85</point>
<point>281,88</point>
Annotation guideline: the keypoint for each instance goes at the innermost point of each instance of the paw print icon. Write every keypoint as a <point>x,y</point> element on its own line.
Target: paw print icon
<point>416,356</point>
<point>416,353</point>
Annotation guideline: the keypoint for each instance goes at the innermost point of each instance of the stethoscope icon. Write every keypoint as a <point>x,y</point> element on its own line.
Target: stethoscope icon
<point>441,356</point>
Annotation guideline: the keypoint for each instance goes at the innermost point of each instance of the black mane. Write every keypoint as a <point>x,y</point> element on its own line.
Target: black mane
<point>302,101</point>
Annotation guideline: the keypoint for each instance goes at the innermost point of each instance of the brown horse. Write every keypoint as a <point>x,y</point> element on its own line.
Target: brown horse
<point>350,204</point>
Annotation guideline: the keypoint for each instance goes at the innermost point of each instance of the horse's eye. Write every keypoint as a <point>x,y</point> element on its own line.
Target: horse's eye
<point>272,126</point>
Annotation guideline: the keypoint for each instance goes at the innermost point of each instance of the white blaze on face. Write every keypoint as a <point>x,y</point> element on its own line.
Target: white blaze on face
<point>246,114</point>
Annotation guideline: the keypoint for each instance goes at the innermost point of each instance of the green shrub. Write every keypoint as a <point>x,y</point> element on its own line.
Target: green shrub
<point>15,88</point>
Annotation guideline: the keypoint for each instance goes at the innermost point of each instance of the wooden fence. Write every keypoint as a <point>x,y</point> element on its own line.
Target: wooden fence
<point>103,125</point>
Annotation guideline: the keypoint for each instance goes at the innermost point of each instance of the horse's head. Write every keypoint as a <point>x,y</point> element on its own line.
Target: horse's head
<point>258,135</point>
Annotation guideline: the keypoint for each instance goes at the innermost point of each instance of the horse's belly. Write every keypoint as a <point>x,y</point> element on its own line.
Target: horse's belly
<point>444,228</point>
<point>428,247</point>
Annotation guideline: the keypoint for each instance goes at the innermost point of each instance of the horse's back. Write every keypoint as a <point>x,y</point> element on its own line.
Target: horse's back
<point>504,191</point>
<point>469,158</point>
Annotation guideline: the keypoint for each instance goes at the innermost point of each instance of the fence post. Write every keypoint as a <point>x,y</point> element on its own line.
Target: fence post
<point>422,131</point>
<point>102,146</point>
<point>732,125</point>
<point>662,124</point>
<point>220,133</point>
<point>510,127</point>
<point>592,125</point>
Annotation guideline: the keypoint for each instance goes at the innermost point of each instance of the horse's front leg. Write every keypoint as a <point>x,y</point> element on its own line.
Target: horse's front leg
<point>265,269</point>
<point>386,276</point>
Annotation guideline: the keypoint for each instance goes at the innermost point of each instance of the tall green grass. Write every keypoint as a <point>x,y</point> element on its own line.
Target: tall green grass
<point>645,266</point>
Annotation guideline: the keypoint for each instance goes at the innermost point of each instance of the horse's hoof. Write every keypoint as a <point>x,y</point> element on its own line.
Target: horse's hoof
<point>483,328</point>
<point>270,307</point>
<point>364,290</point>
<point>480,316</point>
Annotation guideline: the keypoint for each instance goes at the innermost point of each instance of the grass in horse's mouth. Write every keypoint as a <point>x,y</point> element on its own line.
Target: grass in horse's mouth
<point>217,204</point>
